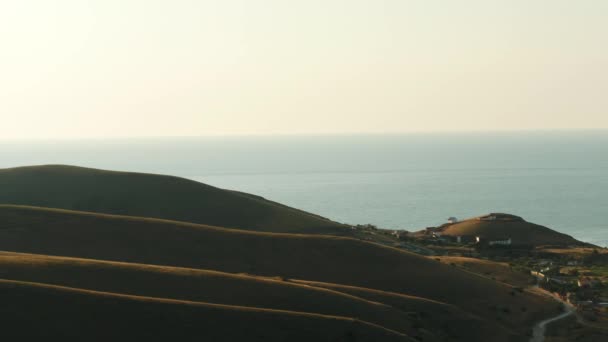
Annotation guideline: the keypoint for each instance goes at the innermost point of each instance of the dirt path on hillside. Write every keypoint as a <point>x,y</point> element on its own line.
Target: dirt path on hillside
<point>538,333</point>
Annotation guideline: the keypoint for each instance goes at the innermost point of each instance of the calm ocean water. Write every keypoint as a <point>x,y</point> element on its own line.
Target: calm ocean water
<point>408,182</point>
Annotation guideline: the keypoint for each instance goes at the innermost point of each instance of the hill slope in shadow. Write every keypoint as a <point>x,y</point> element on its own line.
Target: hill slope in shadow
<point>214,287</point>
<point>148,195</point>
<point>327,259</point>
<point>32,311</point>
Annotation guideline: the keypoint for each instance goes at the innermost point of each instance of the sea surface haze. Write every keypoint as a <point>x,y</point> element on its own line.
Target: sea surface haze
<point>557,179</point>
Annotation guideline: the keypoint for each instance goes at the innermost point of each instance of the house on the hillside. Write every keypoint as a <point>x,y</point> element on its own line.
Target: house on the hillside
<point>434,232</point>
<point>400,234</point>
<point>560,280</point>
<point>452,220</point>
<point>538,275</point>
<point>587,282</point>
<point>464,239</point>
<point>500,242</point>
<point>480,240</point>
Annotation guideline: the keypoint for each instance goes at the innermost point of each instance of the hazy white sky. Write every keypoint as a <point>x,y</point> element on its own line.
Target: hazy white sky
<point>171,68</point>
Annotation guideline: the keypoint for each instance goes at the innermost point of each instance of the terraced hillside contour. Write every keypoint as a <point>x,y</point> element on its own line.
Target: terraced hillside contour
<point>204,286</point>
<point>32,312</point>
<point>348,267</point>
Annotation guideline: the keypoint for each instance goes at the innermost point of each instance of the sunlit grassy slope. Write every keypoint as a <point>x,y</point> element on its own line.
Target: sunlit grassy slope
<point>148,195</point>
<point>521,232</point>
<point>328,259</point>
<point>501,271</point>
<point>203,286</point>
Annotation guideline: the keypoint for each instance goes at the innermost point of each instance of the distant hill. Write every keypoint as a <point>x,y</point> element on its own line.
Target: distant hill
<point>319,258</point>
<point>166,197</point>
<point>498,226</point>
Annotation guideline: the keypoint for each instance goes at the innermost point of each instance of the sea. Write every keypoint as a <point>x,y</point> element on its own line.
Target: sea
<point>409,181</point>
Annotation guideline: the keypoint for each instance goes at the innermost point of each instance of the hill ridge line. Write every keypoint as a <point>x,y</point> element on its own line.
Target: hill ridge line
<point>161,220</point>
<point>252,277</point>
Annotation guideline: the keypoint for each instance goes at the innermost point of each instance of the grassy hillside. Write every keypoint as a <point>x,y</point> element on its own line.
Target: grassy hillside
<point>204,286</point>
<point>148,195</point>
<point>31,311</point>
<point>327,259</point>
<point>520,231</point>
<point>499,271</point>
<point>447,321</point>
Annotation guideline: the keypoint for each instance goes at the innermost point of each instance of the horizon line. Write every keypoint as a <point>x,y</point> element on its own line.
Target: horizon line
<point>301,135</point>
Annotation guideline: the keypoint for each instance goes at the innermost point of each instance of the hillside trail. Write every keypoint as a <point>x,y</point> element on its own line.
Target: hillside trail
<point>538,332</point>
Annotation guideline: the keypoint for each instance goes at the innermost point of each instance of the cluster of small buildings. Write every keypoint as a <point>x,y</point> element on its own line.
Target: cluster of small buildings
<point>437,234</point>
<point>580,291</point>
<point>587,282</point>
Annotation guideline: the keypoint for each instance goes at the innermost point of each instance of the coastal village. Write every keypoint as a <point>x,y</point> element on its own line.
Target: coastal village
<point>582,283</point>
<point>571,271</point>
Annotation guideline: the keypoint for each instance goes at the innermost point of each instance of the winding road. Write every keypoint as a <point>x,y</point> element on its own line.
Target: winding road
<point>538,333</point>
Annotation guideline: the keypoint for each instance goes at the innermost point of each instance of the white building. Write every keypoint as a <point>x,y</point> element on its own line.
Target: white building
<point>506,242</point>
<point>452,220</point>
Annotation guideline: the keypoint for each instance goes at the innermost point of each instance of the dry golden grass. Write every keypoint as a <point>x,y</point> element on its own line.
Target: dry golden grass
<point>148,195</point>
<point>521,232</point>
<point>201,286</point>
<point>327,259</point>
<point>576,252</point>
<point>31,311</point>
<point>498,271</point>
<point>448,321</point>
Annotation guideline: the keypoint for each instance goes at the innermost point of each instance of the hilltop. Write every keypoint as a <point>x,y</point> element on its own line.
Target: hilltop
<point>497,226</point>
<point>365,270</point>
<point>157,196</point>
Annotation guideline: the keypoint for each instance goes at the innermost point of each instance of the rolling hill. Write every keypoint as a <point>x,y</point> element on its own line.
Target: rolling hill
<point>500,271</point>
<point>147,195</point>
<point>32,311</point>
<point>203,286</point>
<point>504,226</point>
<point>354,267</point>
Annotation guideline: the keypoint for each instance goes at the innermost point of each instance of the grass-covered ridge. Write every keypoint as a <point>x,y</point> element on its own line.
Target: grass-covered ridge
<point>199,286</point>
<point>506,226</point>
<point>148,195</point>
<point>317,258</point>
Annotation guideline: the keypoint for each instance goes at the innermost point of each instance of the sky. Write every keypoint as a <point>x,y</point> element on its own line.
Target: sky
<point>144,68</point>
